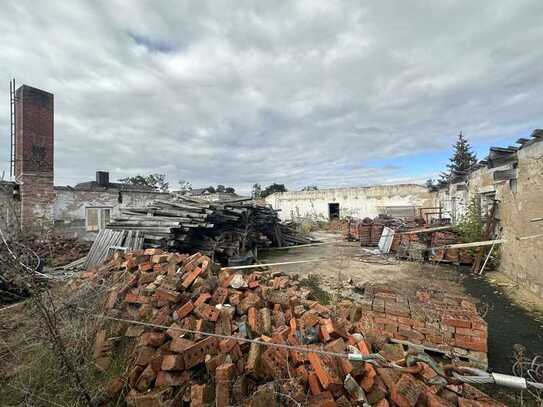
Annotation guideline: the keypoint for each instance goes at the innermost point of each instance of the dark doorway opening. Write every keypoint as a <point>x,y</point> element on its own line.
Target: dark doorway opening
<point>333,211</point>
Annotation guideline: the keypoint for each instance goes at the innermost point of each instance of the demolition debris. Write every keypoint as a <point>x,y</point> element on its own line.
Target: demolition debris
<point>184,330</point>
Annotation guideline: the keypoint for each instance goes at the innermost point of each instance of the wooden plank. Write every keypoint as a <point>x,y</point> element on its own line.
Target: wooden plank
<point>504,175</point>
<point>467,245</point>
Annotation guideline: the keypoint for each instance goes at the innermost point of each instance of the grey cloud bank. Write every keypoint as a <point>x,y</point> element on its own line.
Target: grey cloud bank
<point>291,92</point>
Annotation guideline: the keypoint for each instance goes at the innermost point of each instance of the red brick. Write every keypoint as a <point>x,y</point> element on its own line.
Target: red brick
<point>326,374</point>
<point>191,276</point>
<point>147,277</point>
<point>226,345</point>
<point>145,267</point>
<point>173,362</point>
<point>471,332</point>
<point>196,353</point>
<point>207,312</point>
<point>201,395</point>
<point>219,296</point>
<point>253,321</point>
<point>223,378</point>
<point>471,343</point>
<point>364,348</point>
<point>162,294</point>
<point>369,377</point>
<point>179,344</point>
<point>153,339</point>
<point>135,299</point>
<point>202,298</point>
<point>406,392</point>
<point>275,362</point>
<point>314,384</point>
<point>433,400</point>
<point>184,310</point>
<point>162,317</point>
<point>456,320</point>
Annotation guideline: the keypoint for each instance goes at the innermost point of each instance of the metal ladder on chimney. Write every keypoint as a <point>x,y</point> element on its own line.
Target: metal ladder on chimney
<point>12,100</point>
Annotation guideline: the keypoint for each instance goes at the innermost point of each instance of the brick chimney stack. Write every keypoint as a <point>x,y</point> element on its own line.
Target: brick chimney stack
<point>34,157</point>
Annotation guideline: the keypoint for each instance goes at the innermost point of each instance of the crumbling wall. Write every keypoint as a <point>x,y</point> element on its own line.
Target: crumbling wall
<point>520,201</point>
<point>353,202</point>
<point>9,209</point>
<point>71,204</point>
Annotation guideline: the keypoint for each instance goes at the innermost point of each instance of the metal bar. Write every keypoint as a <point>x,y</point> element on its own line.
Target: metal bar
<point>253,266</point>
<point>426,230</point>
<point>300,245</point>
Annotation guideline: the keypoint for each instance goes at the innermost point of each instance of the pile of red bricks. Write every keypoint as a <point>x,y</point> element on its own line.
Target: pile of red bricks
<point>437,320</point>
<point>165,365</point>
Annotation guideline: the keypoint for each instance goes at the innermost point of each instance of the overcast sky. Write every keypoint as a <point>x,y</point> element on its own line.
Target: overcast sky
<point>303,92</point>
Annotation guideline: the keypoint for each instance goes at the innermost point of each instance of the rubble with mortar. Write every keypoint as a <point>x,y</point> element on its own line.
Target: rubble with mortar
<point>170,367</point>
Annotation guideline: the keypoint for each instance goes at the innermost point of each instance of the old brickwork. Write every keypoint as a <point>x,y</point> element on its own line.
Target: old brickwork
<point>519,195</point>
<point>34,157</point>
<point>522,259</point>
<point>9,208</point>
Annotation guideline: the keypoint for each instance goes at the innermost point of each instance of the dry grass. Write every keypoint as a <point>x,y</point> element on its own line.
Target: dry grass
<point>31,371</point>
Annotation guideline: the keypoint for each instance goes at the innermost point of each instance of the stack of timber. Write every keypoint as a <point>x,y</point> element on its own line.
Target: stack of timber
<point>221,229</point>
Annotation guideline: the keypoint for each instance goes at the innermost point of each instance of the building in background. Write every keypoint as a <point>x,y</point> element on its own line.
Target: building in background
<point>402,200</point>
<point>32,203</point>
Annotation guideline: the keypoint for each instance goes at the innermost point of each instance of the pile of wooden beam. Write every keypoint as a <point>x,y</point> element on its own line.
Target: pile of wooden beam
<point>220,229</point>
<point>194,333</point>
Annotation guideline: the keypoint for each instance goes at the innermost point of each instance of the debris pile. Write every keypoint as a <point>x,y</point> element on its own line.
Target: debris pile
<point>186,331</point>
<point>368,231</point>
<point>220,229</point>
<point>441,322</point>
<point>37,252</point>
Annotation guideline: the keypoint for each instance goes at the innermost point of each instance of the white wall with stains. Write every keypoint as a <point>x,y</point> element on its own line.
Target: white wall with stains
<point>359,202</point>
<point>70,207</point>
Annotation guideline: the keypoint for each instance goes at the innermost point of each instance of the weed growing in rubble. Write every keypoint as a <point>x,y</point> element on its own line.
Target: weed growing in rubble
<point>313,282</point>
<point>470,226</point>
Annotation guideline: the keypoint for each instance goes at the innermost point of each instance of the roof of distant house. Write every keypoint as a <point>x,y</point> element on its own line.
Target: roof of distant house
<point>117,186</point>
<point>198,191</point>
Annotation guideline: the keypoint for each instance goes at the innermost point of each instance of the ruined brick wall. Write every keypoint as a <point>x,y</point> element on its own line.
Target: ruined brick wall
<point>34,157</point>
<point>449,323</point>
<point>9,209</point>
<point>520,201</point>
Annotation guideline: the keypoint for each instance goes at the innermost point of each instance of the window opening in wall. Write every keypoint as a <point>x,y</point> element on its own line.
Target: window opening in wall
<point>333,211</point>
<point>97,218</point>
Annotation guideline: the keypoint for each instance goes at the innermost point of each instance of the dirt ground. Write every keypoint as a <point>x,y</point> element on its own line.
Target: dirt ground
<point>343,261</point>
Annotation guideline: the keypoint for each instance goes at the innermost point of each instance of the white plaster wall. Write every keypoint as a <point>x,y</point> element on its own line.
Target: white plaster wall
<point>69,209</point>
<point>353,202</point>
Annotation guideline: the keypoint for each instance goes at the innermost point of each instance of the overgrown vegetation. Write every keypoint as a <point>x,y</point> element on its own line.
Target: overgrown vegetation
<point>48,343</point>
<point>313,283</point>
<point>470,226</point>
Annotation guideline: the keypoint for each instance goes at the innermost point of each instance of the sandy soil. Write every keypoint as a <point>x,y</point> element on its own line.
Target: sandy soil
<point>343,261</point>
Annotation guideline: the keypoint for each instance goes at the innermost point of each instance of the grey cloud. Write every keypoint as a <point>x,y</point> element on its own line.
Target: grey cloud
<point>296,92</point>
